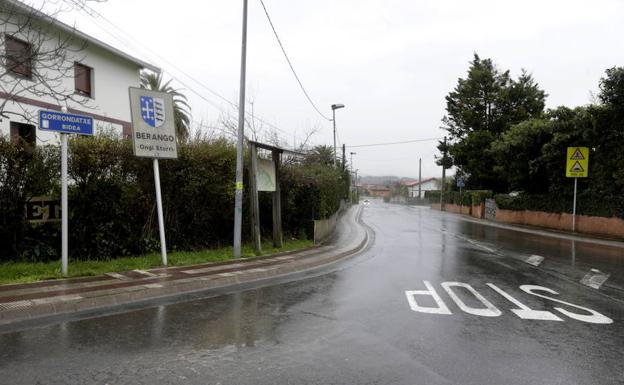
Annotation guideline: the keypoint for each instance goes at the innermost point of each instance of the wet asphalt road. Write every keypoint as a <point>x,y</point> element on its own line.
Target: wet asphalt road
<point>357,324</point>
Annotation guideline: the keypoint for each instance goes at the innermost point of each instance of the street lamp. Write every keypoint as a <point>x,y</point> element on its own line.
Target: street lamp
<point>353,183</point>
<point>357,193</point>
<point>334,107</point>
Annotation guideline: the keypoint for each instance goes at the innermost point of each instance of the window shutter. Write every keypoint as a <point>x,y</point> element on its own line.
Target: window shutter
<point>18,56</point>
<point>82,79</point>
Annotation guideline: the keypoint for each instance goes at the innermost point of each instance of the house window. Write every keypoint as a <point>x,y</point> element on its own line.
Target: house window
<point>82,79</point>
<point>23,133</point>
<point>18,56</point>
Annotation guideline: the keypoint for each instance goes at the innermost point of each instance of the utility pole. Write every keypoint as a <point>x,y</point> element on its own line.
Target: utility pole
<point>419,178</point>
<point>443,176</point>
<point>238,197</point>
<point>344,157</point>
<point>334,120</point>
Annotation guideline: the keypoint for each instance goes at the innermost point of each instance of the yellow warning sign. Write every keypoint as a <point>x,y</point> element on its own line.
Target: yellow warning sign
<point>577,162</point>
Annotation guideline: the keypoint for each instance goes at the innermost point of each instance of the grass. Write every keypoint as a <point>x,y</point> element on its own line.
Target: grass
<point>21,272</point>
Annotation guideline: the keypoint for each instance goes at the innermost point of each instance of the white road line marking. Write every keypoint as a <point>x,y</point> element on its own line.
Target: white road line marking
<point>489,311</point>
<point>15,305</point>
<point>146,273</point>
<point>60,298</point>
<point>595,278</point>
<point>211,268</point>
<point>441,309</point>
<point>534,260</point>
<point>153,285</point>
<point>118,276</point>
<point>594,318</point>
<point>524,311</point>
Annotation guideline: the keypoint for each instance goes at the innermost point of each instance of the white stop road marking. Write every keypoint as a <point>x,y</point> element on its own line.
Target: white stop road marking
<point>489,310</point>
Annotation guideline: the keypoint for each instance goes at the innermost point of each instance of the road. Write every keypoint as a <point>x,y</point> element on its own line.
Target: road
<point>434,299</point>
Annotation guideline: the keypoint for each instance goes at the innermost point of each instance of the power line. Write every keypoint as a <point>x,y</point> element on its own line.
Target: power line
<point>95,15</point>
<point>393,143</point>
<point>279,41</point>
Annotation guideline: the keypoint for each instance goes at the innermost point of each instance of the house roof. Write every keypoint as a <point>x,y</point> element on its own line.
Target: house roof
<point>90,39</point>
<point>379,188</point>
<point>416,183</point>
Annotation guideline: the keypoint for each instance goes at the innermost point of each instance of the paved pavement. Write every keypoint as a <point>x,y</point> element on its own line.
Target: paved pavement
<point>26,305</point>
<point>433,299</point>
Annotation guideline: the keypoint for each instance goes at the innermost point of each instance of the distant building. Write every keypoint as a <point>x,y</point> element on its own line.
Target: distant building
<point>378,191</point>
<point>81,73</point>
<point>425,185</point>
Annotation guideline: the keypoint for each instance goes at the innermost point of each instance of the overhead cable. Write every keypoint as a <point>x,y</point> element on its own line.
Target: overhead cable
<point>279,41</point>
<point>95,15</point>
<point>393,143</point>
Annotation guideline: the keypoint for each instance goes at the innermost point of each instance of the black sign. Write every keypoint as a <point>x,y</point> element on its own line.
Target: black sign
<point>43,209</point>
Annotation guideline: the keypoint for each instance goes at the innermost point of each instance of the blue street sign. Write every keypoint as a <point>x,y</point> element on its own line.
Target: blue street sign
<point>460,182</point>
<point>66,123</point>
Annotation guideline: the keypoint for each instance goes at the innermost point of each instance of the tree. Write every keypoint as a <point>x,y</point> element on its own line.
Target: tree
<point>473,104</point>
<point>479,110</point>
<point>520,158</point>
<point>38,58</point>
<point>181,108</point>
<point>612,88</point>
<point>321,154</point>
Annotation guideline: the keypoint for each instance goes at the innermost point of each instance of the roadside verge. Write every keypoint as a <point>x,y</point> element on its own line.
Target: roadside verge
<point>27,305</point>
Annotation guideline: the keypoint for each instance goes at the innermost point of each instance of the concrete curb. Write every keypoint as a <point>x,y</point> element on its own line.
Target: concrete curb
<point>24,314</point>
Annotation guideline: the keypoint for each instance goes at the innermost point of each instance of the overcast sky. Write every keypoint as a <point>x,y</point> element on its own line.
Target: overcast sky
<point>391,62</point>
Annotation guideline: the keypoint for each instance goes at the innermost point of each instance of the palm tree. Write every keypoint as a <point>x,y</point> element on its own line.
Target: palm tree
<point>321,154</point>
<point>181,108</point>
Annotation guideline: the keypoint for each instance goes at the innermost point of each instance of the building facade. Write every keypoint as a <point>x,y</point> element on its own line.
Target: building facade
<point>429,184</point>
<point>48,65</point>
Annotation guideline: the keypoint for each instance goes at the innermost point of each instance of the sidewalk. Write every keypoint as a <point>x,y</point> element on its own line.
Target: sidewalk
<point>27,302</point>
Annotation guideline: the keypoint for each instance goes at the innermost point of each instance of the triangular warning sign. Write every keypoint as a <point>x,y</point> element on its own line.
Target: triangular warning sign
<point>578,155</point>
<point>577,167</point>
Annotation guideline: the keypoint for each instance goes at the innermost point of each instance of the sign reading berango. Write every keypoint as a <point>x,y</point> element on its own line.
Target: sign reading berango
<point>153,125</point>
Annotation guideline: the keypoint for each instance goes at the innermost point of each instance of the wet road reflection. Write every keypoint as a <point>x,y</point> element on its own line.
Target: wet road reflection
<point>354,325</point>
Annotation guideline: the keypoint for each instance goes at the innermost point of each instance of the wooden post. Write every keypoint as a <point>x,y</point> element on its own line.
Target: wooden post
<point>278,236</point>
<point>255,208</point>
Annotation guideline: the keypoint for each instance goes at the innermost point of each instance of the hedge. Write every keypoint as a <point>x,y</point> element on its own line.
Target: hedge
<point>588,203</point>
<point>112,205</point>
<point>466,198</point>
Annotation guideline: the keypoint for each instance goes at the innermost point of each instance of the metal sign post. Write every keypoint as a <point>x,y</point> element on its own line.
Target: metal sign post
<point>574,206</point>
<point>64,208</point>
<point>65,124</point>
<point>161,220</point>
<point>577,166</point>
<point>460,184</point>
<point>154,136</point>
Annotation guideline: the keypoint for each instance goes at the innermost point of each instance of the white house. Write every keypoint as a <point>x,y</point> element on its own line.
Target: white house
<point>425,185</point>
<point>47,64</point>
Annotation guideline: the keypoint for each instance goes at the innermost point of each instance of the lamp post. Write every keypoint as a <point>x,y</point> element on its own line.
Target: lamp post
<point>334,107</point>
<point>353,183</point>
<point>357,196</point>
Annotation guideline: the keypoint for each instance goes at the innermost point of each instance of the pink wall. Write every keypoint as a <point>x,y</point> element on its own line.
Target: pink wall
<point>613,227</point>
<point>563,221</point>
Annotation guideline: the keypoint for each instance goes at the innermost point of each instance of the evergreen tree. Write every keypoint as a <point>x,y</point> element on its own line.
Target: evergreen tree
<point>479,110</point>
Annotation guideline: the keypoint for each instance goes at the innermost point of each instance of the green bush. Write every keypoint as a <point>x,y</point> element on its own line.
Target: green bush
<point>112,198</point>
<point>479,196</point>
<point>588,203</point>
<point>433,196</point>
<point>25,172</point>
<point>466,198</point>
